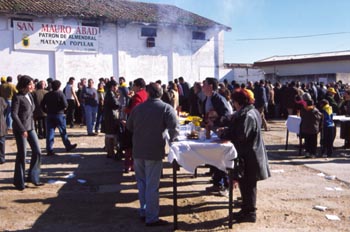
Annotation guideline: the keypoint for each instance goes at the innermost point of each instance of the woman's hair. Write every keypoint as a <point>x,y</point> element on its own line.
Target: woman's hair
<point>242,97</point>
<point>23,82</point>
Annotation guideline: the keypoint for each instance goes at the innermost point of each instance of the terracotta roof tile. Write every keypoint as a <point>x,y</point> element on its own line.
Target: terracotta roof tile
<point>109,10</point>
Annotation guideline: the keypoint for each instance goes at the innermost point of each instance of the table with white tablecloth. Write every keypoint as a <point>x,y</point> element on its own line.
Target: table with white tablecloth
<point>190,154</point>
<point>293,125</point>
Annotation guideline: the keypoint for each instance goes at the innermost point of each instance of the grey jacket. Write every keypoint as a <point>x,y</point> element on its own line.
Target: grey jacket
<point>22,113</point>
<point>3,127</point>
<point>148,123</point>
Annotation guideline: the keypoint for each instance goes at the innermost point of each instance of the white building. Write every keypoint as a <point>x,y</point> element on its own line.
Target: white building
<point>316,67</point>
<point>242,73</point>
<point>102,38</point>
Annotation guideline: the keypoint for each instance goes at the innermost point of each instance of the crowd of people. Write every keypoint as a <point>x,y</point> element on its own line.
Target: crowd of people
<point>134,118</point>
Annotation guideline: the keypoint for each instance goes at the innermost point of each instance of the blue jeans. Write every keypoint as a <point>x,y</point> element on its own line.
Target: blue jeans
<point>8,115</point>
<point>54,121</point>
<point>99,118</point>
<point>2,149</point>
<point>34,168</point>
<point>90,117</point>
<point>148,174</point>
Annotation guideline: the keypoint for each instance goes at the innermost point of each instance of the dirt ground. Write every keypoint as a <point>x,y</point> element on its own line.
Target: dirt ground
<point>85,191</point>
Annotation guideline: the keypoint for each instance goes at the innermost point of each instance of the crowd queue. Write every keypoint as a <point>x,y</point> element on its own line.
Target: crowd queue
<point>135,116</point>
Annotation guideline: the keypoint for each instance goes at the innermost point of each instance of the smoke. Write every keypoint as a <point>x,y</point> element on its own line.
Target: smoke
<point>229,9</point>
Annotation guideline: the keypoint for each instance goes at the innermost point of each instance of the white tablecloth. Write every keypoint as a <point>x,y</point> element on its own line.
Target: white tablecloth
<point>192,153</point>
<point>293,124</point>
<point>341,118</point>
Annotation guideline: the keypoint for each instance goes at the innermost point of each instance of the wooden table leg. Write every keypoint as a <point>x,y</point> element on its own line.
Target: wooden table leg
<point>175,168</point>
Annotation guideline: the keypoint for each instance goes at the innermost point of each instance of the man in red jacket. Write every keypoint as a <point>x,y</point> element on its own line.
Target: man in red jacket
<point>140,96</point>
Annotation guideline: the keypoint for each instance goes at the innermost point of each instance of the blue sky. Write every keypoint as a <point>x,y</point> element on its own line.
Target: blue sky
<point>261,19</point>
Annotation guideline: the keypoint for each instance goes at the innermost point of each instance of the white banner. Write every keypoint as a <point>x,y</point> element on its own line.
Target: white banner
<point>52,37</point>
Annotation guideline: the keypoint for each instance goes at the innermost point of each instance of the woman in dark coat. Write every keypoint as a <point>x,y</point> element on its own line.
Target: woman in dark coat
<point>244,131</point>
<point>24,131</point>
<point>110,118</point>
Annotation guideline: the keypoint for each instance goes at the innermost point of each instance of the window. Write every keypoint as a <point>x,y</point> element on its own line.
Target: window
<point>150,42</point>
<point>198,35</point>
<point>149,32</point>
<point>20,19</point>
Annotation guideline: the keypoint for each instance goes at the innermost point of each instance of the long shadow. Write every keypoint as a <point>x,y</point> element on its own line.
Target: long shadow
<point>278,152</point>
<point>96,197</point>
<point>89,200</point>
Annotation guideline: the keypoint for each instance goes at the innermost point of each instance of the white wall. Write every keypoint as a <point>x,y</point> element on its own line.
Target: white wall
<point>137,60</point>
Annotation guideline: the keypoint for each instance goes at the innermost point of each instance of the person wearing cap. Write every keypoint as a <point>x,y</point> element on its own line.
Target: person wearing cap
<point>7,91</point>
<point>330,98</point>
<point>148,123</point>
<point>328,128</point>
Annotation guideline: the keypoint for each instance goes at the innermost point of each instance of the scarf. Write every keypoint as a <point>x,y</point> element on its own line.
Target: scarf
<point>328,109</point>
<point>123,85</point>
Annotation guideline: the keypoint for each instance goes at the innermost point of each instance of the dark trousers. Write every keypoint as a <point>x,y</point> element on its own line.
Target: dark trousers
<point>40,127</point>
<point>328,139</point>
<point>2,149</point>
<point>34,168</point>
<point>310,143</point>
<point>219,177</point>
<point>247,187</point>
<point>70,112</point>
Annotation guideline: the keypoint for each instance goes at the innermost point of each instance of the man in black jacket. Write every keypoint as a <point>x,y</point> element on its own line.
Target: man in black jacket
<point>54,104</point>
<point>215,105</point>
